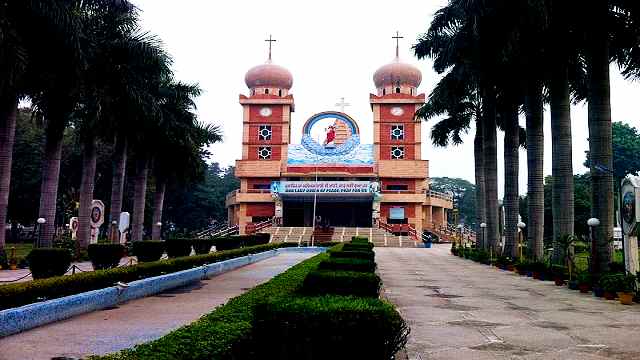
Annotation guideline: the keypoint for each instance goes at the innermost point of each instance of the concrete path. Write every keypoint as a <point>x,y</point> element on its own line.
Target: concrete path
<point>140,320</point>
<point>458,309</point>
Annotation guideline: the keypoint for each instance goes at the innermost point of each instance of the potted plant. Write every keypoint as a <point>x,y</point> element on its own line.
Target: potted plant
<point>584,282</point>
<point>610,285</point>
<point>538,269</point>
<point>558,273</point>
<point>522,267</point>
<point>627,289</point>
<point>454,249</point>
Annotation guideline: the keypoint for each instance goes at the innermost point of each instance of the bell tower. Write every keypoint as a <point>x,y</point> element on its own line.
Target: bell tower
<point>266,128</point>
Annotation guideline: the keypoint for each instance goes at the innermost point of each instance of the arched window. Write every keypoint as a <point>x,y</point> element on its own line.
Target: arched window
<point>280,92</point>
<point>397,90</point>
<point>384,91</point>
<point>266,91</point>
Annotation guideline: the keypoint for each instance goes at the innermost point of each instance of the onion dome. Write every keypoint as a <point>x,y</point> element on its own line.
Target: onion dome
<point>269,75</point>
<point>397,73</point>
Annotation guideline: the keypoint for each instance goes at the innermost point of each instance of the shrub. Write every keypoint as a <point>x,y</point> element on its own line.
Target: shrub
<point>323,282</point>
<point>230,242</point>
<point>105,256</point>
<point>328,327</point>
<point>224,333</point>
<point>178,247</point>
<point>18,294</point>
<point>584,278</point>
<point>48,262</point>
<point>360,240</point>
<point>327,244</point>
<point>366,255</point>
<point>257,239</point>
<point>357,246</point>
<point>148,250</point>
<point>203,246</point>
<point>348,265</point>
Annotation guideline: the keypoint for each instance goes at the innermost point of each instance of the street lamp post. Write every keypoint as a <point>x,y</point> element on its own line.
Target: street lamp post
<point>483,226</point>
<point>41,222</point>
<point>521,226</point>
<point>593,222</point>
<point>461,232</point>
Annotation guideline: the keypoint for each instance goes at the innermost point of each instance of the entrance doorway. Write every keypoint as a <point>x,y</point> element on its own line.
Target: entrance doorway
<point>348,212</point>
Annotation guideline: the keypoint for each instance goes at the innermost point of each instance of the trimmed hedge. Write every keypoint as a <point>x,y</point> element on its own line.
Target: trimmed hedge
<point>226,332</point>
<point>357,246</point>
<point>202,246</point>
<point>178,247</point>
<point>365,255</point>
<point>360,240</point>
<point>48,262</point>
<point>148,250</point>
<point>328,327</point>
<point>18,294</point>
<point>321,282</point>
<point>105,256</point>
<point>238,241</point>
<point>348,265</point>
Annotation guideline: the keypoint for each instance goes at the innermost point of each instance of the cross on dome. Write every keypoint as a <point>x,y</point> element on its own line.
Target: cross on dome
<point>397,37</point>
<point>270,40</point>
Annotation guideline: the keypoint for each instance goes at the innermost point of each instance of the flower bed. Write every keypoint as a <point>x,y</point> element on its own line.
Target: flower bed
<point>18,294</point>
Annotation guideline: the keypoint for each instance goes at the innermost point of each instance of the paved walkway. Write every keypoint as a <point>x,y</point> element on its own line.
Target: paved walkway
<point>458,309</point>
<point>140,320</point>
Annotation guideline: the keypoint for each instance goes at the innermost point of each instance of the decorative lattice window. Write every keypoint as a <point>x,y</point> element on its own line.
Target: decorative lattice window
<point>264,133</point>
<point>397,152</point>
<point>397,132</point>
<point>264,152</point>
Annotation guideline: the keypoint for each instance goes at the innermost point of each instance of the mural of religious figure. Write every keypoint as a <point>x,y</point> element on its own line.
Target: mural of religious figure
<point>331,135</point>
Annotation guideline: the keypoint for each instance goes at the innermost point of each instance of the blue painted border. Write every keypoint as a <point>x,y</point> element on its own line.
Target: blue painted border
<point>27,317</point>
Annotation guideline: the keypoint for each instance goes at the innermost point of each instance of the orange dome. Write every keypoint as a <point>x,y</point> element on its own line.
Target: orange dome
<point>269,75</point>
<point>397,73</point>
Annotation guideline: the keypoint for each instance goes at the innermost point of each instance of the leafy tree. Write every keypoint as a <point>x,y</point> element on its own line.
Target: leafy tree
<point>464,197</point>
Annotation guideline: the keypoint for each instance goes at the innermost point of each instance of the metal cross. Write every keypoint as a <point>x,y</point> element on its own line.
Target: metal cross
<point>397,37</point>
<point>270,40</point>
<point>342,104</point>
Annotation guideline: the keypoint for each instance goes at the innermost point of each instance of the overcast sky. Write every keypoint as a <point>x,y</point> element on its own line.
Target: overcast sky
<point>332,48</point>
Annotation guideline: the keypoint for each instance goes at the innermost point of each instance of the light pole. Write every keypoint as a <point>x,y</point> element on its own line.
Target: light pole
<point>41,222</point>
<point>483,226</point>
<point>593,222</point>
<point>521,226</point>
<point>159,225</point>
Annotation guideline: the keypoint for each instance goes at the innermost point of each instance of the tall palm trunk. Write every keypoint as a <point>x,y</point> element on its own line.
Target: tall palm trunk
<point>117,183</point>
<point>158,201</point>
<point>87,184</point>
<point>562,159</point>
<point>511,170</point>
<point>8,112</point>
<point>490,166</point>
<point>478,156</point>
<point>49,185</point>
<point>139,194</point>
<point>535,170</point>
<point>600,139</point>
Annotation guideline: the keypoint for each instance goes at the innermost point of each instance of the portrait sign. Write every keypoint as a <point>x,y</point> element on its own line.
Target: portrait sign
<point>73,226</point>
<point>96,219</point>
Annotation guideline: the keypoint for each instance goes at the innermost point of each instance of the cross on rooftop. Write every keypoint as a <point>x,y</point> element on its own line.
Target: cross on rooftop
<point>397,37</point>
<point>270,40</point>
<point>342,104</point>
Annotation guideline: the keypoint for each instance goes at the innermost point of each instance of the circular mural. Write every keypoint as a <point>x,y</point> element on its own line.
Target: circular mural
<point>330,134</point>
<point>629,207</point>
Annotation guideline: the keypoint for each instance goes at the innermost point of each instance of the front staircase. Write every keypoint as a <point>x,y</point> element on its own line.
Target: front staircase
<point>302,235</point>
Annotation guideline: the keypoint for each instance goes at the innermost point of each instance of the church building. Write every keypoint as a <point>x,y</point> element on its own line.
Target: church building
<point>332,179</point>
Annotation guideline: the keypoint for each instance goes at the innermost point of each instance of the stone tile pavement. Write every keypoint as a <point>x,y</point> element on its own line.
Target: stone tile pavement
<point>458,309</point>
<point>141,320</point>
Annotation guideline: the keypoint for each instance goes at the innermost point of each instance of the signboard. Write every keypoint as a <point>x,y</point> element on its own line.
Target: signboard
<point>96,219</point>
<point>73,226</point>
<point>630,204</point>
<point>123,226</point>
<point>324,187</point>
<point>396,213</point>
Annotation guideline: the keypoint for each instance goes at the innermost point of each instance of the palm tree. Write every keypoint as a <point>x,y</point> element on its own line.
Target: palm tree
<point>25,27</point>
<point>511,173</point>
<point>457,98</point>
